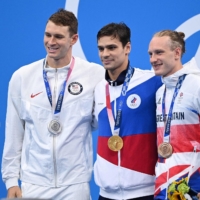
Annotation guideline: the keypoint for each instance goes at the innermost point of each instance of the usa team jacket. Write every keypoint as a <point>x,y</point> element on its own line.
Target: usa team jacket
<point>33,154</point>
<point>130,172</point>
<point>184,131</point>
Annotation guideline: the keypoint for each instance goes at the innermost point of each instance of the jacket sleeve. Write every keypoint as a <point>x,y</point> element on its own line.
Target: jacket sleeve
<point>14,134</point>
<point>197,103</point>
<point>94,120</point>
<point>98,74</point>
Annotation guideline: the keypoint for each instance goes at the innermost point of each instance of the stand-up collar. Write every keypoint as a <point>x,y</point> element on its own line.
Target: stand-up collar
<point>188,68</point>
<point>120,79</point>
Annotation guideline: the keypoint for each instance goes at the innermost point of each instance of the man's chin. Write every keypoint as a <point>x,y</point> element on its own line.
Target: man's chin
<point>53,56</point>
<point>157,73</point>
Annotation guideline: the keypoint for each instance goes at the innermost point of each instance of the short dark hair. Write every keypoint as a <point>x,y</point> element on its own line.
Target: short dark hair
<point>65,18</point>
<point>177,39</point>
<point>117,30</point>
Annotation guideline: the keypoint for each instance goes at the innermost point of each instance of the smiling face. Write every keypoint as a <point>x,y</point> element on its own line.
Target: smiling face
<point>113,55</point>
<point>58,44</point>
<point>164,60</point>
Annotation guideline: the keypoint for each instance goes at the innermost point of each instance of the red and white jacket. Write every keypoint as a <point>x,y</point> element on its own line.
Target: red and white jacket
<point>184,132</point>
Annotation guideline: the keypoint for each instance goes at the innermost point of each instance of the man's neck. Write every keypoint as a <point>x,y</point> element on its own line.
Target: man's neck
<point>113,74</point>
<point>58,63</point>
<point>176,69</point>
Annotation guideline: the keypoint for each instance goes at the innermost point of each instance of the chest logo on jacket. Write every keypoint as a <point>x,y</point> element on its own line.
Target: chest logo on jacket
<point>75,88</point>
<point>133,101</point>
<point>180,98</point>
<point>34,95</point>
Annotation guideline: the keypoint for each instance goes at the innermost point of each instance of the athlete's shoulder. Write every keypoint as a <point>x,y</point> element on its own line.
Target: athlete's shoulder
<point>148,75</point>
<point>144,71</point>
<point>86,63</point>
<point>194,77</point>
<point>91,72</point>
<point>101,85</point>
<point>28,69</point>
<point>160,90</point>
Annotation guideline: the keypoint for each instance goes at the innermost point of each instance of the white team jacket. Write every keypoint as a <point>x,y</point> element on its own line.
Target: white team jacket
<point>31,153</point>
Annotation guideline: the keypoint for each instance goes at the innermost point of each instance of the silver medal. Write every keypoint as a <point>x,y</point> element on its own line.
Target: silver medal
<point>54,127</point>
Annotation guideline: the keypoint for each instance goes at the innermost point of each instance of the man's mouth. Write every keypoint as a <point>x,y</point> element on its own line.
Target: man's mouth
<point>106,62</point>
<point>52,50</point>
<point>157,66</point>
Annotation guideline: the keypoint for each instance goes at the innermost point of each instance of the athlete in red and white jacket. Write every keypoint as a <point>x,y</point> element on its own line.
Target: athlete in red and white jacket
<point>166,49</point>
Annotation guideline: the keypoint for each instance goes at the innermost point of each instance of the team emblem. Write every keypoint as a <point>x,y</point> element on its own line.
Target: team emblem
<point>75,88</point>
<point>180,98</point>
<point>133,101</point>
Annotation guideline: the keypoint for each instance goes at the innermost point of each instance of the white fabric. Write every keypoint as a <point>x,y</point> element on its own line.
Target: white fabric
<point>73,192</point>
<point>31,153</point>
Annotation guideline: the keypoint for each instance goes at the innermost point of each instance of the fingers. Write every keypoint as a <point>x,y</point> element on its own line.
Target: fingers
<point>14,192</point>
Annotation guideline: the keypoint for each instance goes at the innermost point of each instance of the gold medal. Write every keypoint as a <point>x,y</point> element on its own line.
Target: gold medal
<point>115,143</point>
<point>165,150</point>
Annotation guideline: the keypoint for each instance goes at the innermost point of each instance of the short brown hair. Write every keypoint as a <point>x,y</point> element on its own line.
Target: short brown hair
<point>65,18</point>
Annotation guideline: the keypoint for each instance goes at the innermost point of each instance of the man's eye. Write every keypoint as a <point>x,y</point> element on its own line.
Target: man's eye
<point>101,49</point>
<point>47,35</point>
<point>58,36</point>
<point>111,47</point>
<point>159,52</point>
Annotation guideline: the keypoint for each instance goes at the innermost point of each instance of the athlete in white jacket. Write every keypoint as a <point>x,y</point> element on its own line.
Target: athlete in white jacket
<point>49,119</point>
<point>178,109</point>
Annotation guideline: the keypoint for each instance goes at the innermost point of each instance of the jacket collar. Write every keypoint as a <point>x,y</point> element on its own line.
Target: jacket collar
<point>120,79</point>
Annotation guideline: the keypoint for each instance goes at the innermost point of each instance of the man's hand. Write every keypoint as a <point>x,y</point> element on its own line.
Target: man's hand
<point>198,195</point>
<point>14,192</point>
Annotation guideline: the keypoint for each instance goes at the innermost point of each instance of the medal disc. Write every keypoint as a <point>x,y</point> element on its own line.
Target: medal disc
<point>115,143</point>
<point>54,127</point>
<point>165,150</point>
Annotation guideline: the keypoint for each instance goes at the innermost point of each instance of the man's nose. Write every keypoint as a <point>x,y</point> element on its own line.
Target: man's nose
<point>105,53</point>
<point>52,40</point>
<point>153,58</point>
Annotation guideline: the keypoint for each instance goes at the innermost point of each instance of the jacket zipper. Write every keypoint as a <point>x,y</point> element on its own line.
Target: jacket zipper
<point>54,136</point>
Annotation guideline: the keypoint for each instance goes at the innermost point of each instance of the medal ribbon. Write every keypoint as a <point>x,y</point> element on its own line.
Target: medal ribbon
<point>169,118</point>
<point>62,92</point>
<point>116,123</point>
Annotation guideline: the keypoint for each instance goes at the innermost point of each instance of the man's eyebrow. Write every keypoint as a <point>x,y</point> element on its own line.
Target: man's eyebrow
<point>106,46</point>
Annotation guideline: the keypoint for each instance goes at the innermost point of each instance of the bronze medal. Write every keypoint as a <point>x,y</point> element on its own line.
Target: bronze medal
<point>165,150</point>
<point>54,127</point>
<point>115,143</point>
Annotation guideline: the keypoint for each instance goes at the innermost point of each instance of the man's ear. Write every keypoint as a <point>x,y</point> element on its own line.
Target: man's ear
<point>177,52</point>
<point>74,39</point>
<point>127,48</point>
